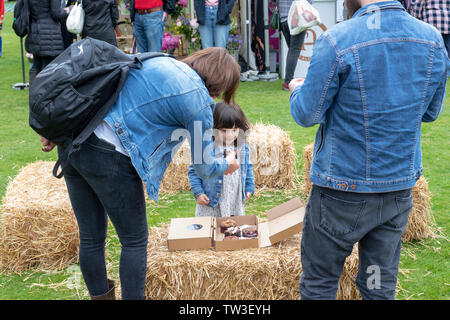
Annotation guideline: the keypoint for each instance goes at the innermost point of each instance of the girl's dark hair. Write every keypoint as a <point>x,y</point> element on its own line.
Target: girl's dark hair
<point>227,116</point>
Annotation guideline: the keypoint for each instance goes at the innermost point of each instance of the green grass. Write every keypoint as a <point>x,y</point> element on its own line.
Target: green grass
<point>425,264</point>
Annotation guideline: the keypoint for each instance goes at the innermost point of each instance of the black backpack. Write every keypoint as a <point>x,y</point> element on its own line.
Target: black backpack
<point>21,22</point>
<point>71,96</point>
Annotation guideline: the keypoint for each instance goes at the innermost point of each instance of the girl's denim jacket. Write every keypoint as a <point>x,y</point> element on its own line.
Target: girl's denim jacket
<point>213,187</point>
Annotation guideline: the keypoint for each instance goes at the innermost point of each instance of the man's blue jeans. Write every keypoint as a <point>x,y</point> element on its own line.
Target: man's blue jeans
<point>103,183</point>
<point>334,221</point>
<point>212,34</point>
<point>148,30</point>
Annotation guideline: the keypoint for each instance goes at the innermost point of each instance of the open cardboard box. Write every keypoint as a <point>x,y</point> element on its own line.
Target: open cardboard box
<point>196,233</point>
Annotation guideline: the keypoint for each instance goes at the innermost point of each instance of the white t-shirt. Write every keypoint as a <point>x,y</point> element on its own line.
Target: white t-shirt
<point>105,132</point>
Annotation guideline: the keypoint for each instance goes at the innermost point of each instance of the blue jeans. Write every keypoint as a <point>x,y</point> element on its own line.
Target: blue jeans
<point>103,183</point>
<point>212,34</point>
<point>148,30</point>
<point>334,221</point>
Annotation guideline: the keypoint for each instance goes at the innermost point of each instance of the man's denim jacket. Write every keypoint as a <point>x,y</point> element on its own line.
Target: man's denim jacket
<point>372,81</point>
<point>213,187</point>
<point>159,106</point>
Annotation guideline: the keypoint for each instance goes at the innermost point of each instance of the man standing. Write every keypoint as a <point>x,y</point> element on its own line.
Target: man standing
<point>372,81</point>
<point>436,13</point>
<point>148,18</point>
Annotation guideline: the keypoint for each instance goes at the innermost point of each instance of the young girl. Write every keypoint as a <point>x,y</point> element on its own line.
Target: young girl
<point>226,195</point>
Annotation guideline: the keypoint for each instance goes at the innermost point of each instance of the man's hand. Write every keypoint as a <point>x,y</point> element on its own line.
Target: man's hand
<point>295,83</point>
<point>47,145</point>
<point>164,16</point>
<point>202,199</point>
<point>233,164</point>
<point>248,195</point>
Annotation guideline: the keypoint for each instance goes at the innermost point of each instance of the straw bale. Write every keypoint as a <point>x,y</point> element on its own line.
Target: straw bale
<point>176,176</point>
<point>421,223</point>
<point>308,152</point>
<point>267,273</point>
<point>420,220</point>
<point>38,228</point>
<point>272,154</point>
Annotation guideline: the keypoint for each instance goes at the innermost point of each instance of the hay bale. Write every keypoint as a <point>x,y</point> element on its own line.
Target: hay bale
<point>420,220</point>
<point>308,152</point>
<point>272,153</point>
<point>176,176</point>
<point>38,228</point>
<point>267,273</point>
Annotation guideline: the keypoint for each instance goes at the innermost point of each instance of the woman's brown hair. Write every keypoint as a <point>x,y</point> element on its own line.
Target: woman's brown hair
<point>218,70</point>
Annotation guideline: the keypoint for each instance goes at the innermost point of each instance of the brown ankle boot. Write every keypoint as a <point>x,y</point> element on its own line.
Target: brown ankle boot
<point>110,295</point>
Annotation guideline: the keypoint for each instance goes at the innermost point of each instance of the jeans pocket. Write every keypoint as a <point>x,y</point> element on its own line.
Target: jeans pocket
<point>404,206</point>
<point>339,217</point>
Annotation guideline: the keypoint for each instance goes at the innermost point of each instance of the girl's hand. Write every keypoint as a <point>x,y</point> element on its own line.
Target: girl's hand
<point>202,199</point>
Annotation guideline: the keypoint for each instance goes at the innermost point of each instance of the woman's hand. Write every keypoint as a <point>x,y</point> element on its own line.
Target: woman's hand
<point>202,199</point>
<point>47,144</point>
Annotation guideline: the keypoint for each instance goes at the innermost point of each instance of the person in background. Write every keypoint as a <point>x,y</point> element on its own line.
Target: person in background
<point>369,87</point>
<point>68,37</point>
<point>100,20</point>
<point>159,104</point>
<point>44,39</point>
<point>148,18</point>
<point>294,43</point>
<point>436,13</point>
<point>2,13</point>
<point>213,17</point>
<point>226,195</point>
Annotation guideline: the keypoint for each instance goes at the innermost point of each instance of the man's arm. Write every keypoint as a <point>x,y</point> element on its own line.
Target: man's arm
<point>310,101</point>
<point>437,103</point>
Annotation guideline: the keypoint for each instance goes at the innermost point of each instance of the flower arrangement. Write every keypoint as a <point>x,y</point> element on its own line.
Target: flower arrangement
<point>234,43</point>
<point>170,42</point>
<point>189,29</point>
<point>179,9</point>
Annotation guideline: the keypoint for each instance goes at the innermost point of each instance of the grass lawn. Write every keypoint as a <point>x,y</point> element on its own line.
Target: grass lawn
<point>425,264</point>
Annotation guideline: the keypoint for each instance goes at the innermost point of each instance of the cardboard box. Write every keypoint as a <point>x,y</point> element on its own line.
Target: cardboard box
<point>197,233</point>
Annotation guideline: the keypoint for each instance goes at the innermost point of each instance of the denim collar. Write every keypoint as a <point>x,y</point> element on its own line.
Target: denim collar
<point>381,5</point>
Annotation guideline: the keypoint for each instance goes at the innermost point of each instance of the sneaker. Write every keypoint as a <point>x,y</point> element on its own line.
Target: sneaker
<point>285,87</point>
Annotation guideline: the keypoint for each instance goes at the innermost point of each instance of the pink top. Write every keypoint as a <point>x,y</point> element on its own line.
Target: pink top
<point>211,3</point>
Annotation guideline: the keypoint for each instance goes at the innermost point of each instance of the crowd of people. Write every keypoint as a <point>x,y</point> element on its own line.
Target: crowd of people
<point>369,91</point>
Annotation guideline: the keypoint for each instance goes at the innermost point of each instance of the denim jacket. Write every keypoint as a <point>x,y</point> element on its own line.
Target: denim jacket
<point>213,187</point>
<point>372,80</point>
<point>159,106</point>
